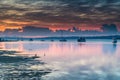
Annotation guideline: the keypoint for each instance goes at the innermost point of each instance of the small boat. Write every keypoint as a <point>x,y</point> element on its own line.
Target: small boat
<point>114,41</point>
<point>30,39</point>
<point>52,40</point>
<point>63,40</point>
<point>42,40</point>
<point>81,39</point>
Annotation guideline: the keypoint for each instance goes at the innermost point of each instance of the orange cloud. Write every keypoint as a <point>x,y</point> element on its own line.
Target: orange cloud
<point>82,27</point>
<point>15,22</point>
<point>2,28</point>
<point>11,24</point>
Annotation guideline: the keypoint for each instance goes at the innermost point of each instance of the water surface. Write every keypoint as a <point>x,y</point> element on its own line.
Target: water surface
<point>93,60</point>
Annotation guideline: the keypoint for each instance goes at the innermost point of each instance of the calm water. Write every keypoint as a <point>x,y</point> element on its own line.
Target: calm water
<point>97,60</point>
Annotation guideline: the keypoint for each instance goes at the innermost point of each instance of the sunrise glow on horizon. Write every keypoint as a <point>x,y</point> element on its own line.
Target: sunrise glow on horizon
<point>58,15</point>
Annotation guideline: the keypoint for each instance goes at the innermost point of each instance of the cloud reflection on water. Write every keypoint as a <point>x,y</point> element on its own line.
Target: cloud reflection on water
<point>73,61</point>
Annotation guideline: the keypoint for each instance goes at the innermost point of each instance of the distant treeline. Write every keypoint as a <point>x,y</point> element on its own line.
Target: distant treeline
<point>52,38</point>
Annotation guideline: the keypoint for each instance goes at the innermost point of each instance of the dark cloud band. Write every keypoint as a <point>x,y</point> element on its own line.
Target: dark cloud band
<point>61,11</point>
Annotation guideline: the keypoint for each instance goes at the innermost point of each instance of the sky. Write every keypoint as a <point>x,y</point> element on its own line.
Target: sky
<point>59,14</point>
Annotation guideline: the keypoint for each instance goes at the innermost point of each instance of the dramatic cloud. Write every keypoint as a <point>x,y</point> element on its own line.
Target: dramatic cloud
<point>58,12</point>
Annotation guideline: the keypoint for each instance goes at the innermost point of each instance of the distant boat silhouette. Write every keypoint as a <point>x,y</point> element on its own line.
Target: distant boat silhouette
<point>63,40</point>
<point>30,39</point>
<point>81,39</point>
<point>52,40</point>
<point>42,40</point>
<point>114,40</point>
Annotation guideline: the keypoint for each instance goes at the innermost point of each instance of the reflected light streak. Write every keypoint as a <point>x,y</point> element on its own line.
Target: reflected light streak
<point>56,50</point>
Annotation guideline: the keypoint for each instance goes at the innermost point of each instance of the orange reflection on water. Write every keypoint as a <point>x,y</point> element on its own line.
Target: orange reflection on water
<point>11,46</point>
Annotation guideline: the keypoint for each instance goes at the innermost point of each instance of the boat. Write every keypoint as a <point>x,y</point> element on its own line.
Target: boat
<point>114,40</point>
<point>81,39</point>
<point>63,40</point>
<point>30,39</point>
<point>42,40</point>
<point>52,40</point>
